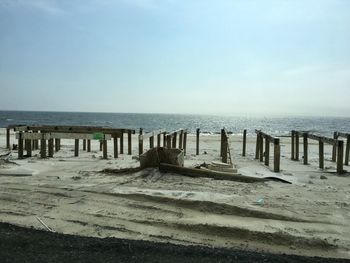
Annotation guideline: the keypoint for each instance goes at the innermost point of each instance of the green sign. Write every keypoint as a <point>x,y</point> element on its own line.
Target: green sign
<point>98,136</point>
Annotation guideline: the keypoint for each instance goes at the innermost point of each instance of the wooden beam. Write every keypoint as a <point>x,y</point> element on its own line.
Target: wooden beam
<point>244,142</point>
<point>152,134</point>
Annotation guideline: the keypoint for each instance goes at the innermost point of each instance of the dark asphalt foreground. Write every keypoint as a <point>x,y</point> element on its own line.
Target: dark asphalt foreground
<point>19,244</point>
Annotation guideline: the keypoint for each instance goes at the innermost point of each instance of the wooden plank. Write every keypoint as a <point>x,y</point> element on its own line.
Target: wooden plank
<point>321,154</point>
<point>88,145</point>
<point>244,142</point>
<point>104,142</point>
<point>81,136</point>
<point>50,147</point>
<point>76,147</point>
<point>115,147</point>
<point>267,152</point>
<point>185,142</point>
<point>129,143</point>
<point>322,138</point>
<point>43,148</point>
<point>153,133</point>
<point>197,141</point>
<point>121,143</point>
<point>305,143</point>
<point>276,157</point>
<point>340,150</point>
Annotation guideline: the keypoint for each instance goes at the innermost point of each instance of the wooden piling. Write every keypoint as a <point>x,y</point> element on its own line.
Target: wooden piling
<point>185,142</point>
<point>29,148</point>
<point>347,150</point>
<point>158,140</point>
<point>8,138</point>
<point>122,143</point>
<point>261,148</point>
<point>222,143</point>
<point>340,149</point>
<point>293,145</point>
<point>57,145</point>
<point>129,143</point>
<point>50,147</point>
<point>257,148</point>
<point>101,145</point>
<point>115,147</point>
<point>305,143</point>
<point>277,156</point>
<point>267,152</point>
<point>76,147</point>
<point>151,142</point>
<point>168,141</point>
<point>43,148</point>
<point>84,145</point>
<point>174,140</point>
<point>334,149</point>
<point>321,154</point>
<point>104,142</point>
<point>224,149</point>
<point>164,140</point>
<point>297,146</point>
<point>140,142</point>
<point>181,140</point>
<point>244,142</point>
<point>197,141</point>
<point>88,145</point>
<point>20,145</point>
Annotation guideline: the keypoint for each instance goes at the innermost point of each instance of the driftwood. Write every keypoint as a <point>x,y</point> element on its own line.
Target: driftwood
<point>193,172</point>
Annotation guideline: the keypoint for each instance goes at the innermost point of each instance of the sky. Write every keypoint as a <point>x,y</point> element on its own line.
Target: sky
<point>229,57</point>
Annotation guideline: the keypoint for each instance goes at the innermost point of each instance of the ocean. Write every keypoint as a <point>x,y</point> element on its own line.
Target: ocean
<point>208,124</point>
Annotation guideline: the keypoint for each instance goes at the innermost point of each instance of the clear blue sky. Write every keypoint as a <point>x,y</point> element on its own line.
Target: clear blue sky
<point>185,56</point>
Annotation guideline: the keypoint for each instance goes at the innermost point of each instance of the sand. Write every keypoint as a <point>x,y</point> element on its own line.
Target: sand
<point>308,217</point>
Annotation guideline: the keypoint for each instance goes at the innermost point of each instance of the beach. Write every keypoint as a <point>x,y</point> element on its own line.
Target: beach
<point>71,195</point>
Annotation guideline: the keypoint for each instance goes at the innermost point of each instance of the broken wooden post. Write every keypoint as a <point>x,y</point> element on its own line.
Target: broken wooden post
<point>43,147</point>
<point>168,141</point>
<point>185,142</point>
<point>8,138</point>
<point>104,143</point>
<point>197,141</point>
<point>76,148</point>
<point>20,145</point>
<point>151,142</point>
<point>115,147</point>
<point>293,145</point>
<point>88,145</point>
<point>334,149</point>
<point>50,147</point>
<point>297,146</point>
<point>84,145</point>
<point>305,143</point>
<point>129,143</point>
<point>261,148</point>
<point>321,154</point>
<point>158,140</point>
<point>122,142</point>
<point>244,142</point>
<point>340,149</point>
<point>174,139</point>
<point>347,149</point>
<point>277,155</point>
<point>267,152</point>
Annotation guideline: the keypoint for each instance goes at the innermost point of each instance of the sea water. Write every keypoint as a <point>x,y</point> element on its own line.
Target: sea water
<point>209,124</point>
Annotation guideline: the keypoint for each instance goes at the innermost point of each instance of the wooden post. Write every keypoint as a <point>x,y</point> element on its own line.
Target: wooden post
<point>277,156</point>
<point>50,146</point>
<point>334,151</point>
<point>129,143</point>
<point>261,148</point>
<point>168,141</point>
<point>8,138</point>
<point>43,148</point>
<point>267,152</point>
<point>140,145</point>
<point>104,142</point>
<point>84,145</point>
<point>293,145</point>
<point>29,148</point>
<point>101,145</point>
<point>244,142</point>
<point>88,145</point>
<point>115,147</point>
<point>122,143</point>
<point>347,150</point>
<point>151,142</point>
<point>257,148</point>
<point>35,143</point>
<point>57,145</point>
<point>181,139</point>
<point>164,139</point>
<point>185,142</point>
<point>197,141</point>
<point>321,154</point>
<point>305,142</point>
<point>297,146</point>
<point>224,149</point>
<point>20,145</point>
<point>340,146</point>
<point>76,148</point>
<point>174,140</point>
<point>158,140</point>
<point>222,143</point>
